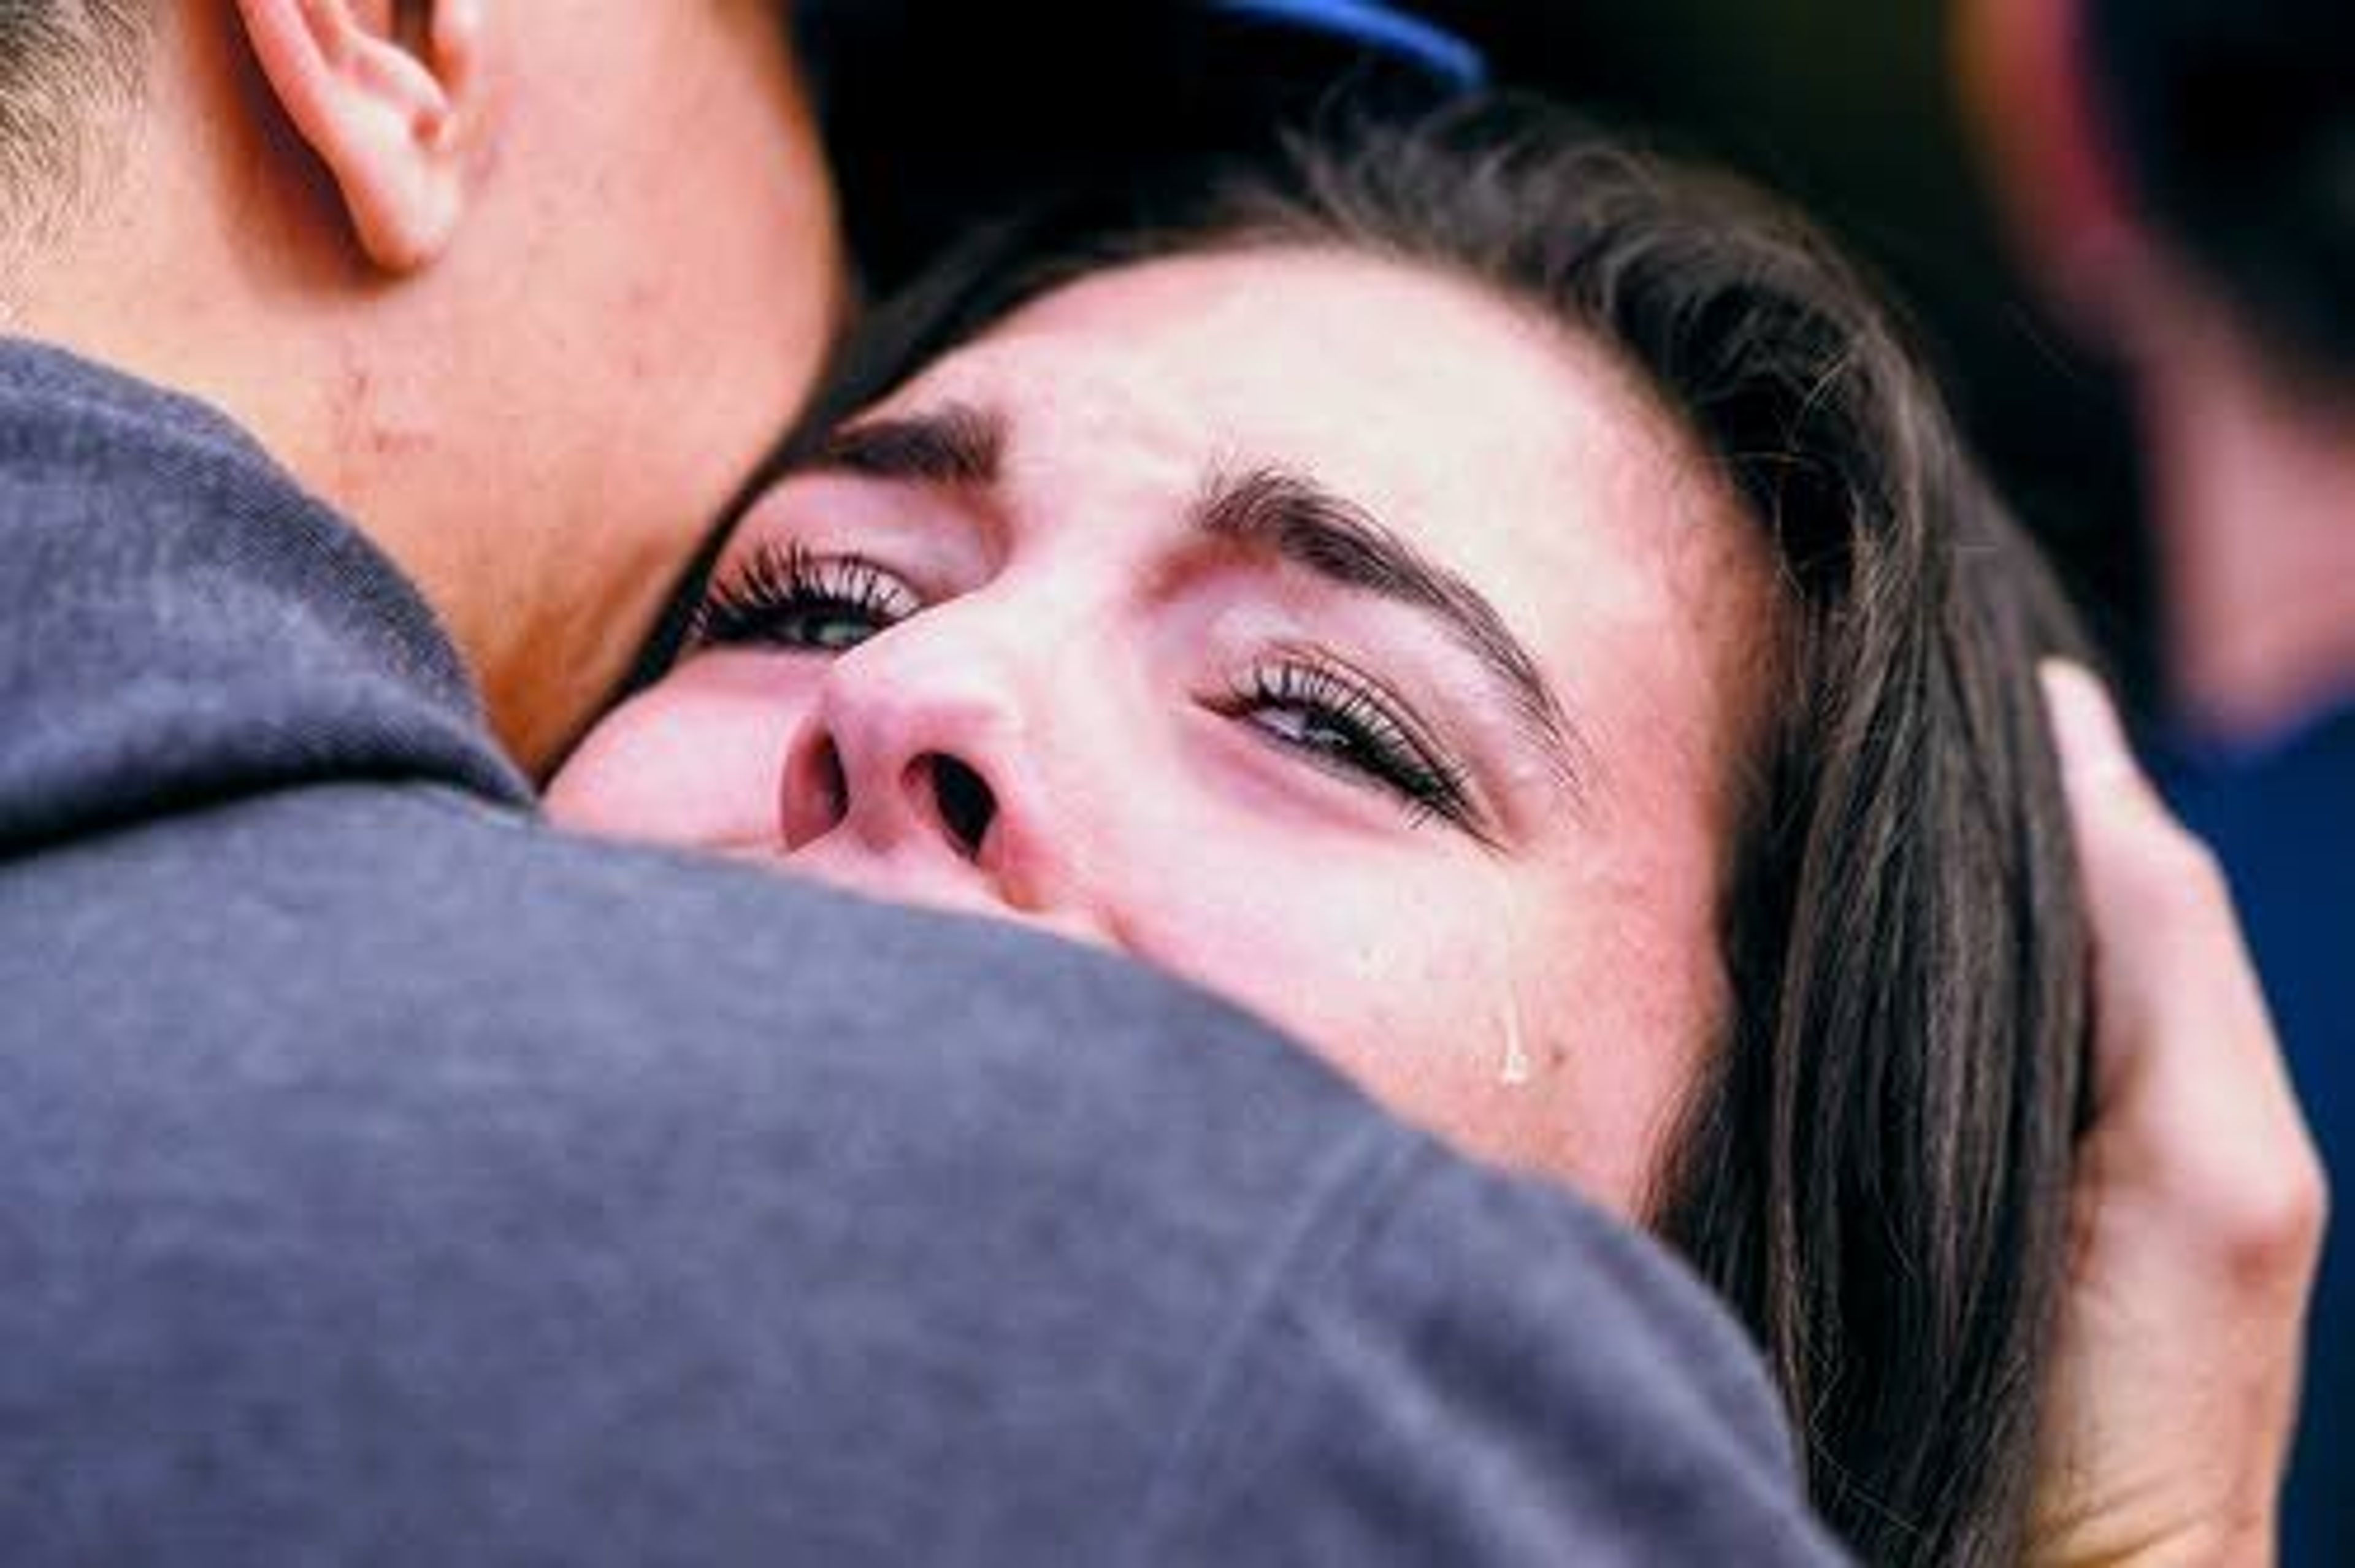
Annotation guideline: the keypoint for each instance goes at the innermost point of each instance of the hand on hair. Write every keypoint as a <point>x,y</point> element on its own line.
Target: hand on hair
<point>2198,1208</point>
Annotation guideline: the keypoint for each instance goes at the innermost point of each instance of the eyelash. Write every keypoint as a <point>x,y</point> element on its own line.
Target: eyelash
<point>1374,741</point>
<point>768,601</point>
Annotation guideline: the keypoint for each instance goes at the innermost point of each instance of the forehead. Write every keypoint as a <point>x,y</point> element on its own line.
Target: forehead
<point>1364,361</point>
<point>1476,425</point>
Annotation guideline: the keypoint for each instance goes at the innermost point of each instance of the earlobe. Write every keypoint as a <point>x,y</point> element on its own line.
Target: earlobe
<point>389,122</point>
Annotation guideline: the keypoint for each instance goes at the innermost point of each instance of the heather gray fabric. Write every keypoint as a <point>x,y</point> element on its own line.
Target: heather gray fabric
<point>385,1179</point>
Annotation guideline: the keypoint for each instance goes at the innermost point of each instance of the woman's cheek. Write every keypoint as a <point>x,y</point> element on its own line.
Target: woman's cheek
<point>1395,968</point>
<point>1353,964</point>
<point>692,762</point>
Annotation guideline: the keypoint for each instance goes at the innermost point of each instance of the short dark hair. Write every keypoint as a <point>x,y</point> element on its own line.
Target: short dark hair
<point>61,61</point>
<point>2234,121</point>
<point>1875,1172</point>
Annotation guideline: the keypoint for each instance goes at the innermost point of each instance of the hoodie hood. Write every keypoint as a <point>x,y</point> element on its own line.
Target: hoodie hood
<point>184,624</point>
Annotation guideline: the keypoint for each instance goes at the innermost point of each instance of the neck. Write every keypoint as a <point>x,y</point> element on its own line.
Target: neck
<point>2253,485</point>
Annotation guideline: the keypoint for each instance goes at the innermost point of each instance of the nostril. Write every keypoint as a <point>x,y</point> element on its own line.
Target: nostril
<point>817,793</point>
<point>833,789</point>
<point>967,806</point>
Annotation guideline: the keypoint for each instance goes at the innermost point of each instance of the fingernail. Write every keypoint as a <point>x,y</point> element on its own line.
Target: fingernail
<point>2085,726</point>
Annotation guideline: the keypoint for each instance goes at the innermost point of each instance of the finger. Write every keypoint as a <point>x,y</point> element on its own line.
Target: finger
<point>2163,922</point>
<point>2191,1092</point>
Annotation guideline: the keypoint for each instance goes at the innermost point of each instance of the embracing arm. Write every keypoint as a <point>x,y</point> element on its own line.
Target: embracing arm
<point>439,1189</point>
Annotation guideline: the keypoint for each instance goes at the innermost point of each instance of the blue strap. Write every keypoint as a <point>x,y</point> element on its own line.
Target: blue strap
<point>1375,25</point>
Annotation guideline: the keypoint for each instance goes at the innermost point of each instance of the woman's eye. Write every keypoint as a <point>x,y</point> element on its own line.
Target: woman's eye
<point>792,599</point>
<point>1343,727</point>
<point>1312,730</point>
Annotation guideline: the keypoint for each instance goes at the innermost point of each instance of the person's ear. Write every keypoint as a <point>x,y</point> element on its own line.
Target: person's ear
<point>384,110</point>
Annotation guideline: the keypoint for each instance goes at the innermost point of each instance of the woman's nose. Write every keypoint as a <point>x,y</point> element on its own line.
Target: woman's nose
<point>906,752</point>
<point>935,794</point>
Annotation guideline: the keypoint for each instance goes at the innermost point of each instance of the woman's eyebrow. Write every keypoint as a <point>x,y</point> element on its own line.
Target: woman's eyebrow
<point>1304,523</point>
<point>954,446</point>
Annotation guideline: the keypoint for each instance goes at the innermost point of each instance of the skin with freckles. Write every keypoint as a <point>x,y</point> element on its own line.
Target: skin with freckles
<point>1389,680</point>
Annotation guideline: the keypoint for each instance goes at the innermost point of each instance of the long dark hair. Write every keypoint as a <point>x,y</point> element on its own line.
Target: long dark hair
<point>1875,1170</point>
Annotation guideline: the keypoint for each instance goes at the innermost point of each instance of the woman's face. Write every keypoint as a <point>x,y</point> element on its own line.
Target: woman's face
<point>1314,626</point>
